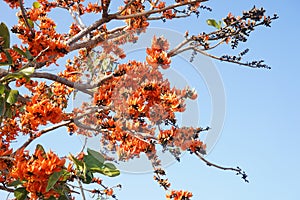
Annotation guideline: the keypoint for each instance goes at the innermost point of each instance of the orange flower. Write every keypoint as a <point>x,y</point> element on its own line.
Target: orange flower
<point>179,195</point>
<point>34,171</point>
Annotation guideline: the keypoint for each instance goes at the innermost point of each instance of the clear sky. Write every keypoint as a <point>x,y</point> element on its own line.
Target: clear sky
<point>261,129</point>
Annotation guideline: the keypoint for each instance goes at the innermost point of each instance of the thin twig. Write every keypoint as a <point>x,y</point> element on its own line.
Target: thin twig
<point>150,12</point>
<point>237,169</point>
<point>173,51</point>
<point>25,17</point>
<point>42,132</point>
<point>81,189</point>
<point>126,6</point>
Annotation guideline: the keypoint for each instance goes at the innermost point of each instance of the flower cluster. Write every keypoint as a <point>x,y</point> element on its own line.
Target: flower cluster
<point>157,55</point>
<point>179,195</point>
<point>34,172</point>
<point>139,22</point>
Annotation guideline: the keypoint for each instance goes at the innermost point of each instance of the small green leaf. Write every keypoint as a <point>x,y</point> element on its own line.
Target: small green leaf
<point>63,197</point>
<point>4,63</point>
<point>4,33</point>
<point>16,75</point>
<point>12,96</point>
<point>28,55</point>
<point>30,23</point>
<point>36,4</point>
<point>41,148</point>
<point>8,56</point>
<point>51,198</point>
<point>78,163</point>
<point>53,180</point>
<point>20,193</point>
<point>27,71</point>
<point>8,112</point>
<point>2,106</point>
<point>110,166</point>
<point>110,170</point>
<point>2,89</point>
<point>15,183</point>
<point>214,23</point>
<point>87,175</point>
<point>19,51</point>
<point>96,155</point>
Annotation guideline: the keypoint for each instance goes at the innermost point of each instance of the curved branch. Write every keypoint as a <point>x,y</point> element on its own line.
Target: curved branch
<point>53,77</point>
<point>150,12</point>
<point>46,130</point>
<point>237,169</point>
<point>6,188</point>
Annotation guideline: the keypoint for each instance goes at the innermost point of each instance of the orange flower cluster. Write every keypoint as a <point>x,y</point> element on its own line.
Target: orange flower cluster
<point>138,94</point>
<point>168,14</point>
<point>13,3</point>
<point>179,195</point>
<point>9,130</point>
<point>93,7</point>
<point>16,58</point>
<point>135,8</point>
<point>185,138</point>
<point>46,39</point>
<point>40,110</point>
<point>5,151</point>
<point>34,172</point>
<point>30,85</point>
<point>157,55</point>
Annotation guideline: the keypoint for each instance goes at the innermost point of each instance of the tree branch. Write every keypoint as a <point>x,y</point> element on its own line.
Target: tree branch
<point>25,17</point>
<point>6,188</point>
<point>150,12</point>
<point>237,170</point>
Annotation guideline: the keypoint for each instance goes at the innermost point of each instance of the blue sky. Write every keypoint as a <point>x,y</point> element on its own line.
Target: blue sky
<point>261,129</point>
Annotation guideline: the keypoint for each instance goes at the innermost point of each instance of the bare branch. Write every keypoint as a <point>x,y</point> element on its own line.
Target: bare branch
<point>46,130</point>
<point>238,170</point>
<point>81,189</point>
<point>6,188</point>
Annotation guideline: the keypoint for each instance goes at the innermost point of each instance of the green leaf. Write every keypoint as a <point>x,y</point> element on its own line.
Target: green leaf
<point>63,197</point>
<point>53,180</point>
<point>214,23</point>
<point>14,183</point>
<point>65,175</point>
<point>12,96</point>
<point>15,75</point>
<point>20,193</point>
<point>110,170</point>
<point>92,163</point>
<point>51,198</point>
<point>2,88</point>
<point>30,23</point>
<point>78,163</point>
<point>87,175</point>
<point>8,56</point>
<point>28,55</point>
<point>110,166</point>
<point>8,112</point>
<point>4,33</point>
<point>36,4</point>
<point>41,148</point>
<point>27,71</point>
<point>2,106</point>
<point>96,155</point>
<point>4,63</point>
<point>19,51</point>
